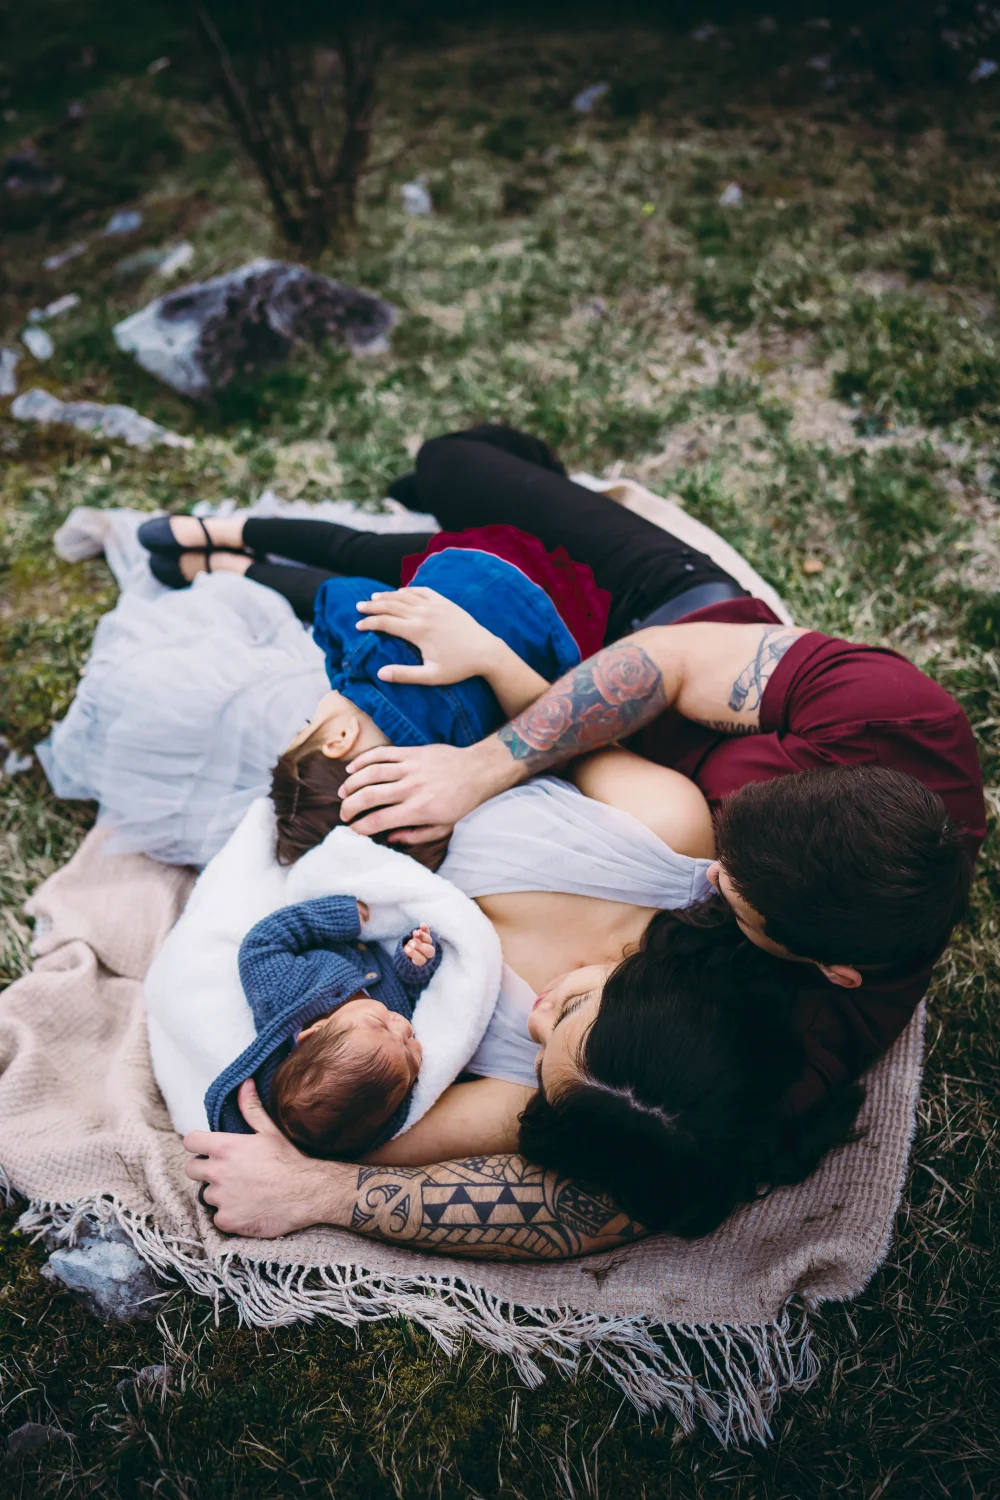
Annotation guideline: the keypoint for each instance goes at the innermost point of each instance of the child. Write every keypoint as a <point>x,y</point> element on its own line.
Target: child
<point>387,691</point>
<point>335,1058</point>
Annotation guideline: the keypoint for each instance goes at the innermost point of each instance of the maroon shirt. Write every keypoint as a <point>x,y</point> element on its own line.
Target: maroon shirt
<point>831,703</point>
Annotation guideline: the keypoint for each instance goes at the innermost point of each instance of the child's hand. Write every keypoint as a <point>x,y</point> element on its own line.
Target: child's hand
<point>453,645</point>
<point>363,913</point>
<point>420,948</point>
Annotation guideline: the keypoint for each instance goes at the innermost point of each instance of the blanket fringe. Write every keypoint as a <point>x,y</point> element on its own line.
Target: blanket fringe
<point>730,1378</point>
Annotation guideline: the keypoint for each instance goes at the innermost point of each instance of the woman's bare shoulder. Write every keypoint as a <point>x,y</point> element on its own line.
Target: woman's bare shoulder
<point>669,804</point>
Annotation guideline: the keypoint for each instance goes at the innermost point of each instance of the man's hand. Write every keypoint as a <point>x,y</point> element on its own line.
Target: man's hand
<point>260,1185</point>
<point>423,790</point>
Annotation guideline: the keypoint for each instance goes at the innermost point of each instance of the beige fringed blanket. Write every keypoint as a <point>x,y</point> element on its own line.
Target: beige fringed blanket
<point>702,1328</point>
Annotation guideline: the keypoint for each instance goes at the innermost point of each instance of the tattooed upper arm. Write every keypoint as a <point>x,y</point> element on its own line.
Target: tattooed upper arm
<point>748,688</point>
<point>603,699</point>
<point>488,1208</point>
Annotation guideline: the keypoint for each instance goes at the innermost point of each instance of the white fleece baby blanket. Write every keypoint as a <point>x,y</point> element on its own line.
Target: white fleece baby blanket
<point>197,1014</point>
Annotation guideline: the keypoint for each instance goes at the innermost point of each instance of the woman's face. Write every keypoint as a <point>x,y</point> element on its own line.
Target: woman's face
<point>559,1022</point>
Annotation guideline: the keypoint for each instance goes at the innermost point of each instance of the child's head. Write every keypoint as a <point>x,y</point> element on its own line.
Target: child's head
<point>306,782</point>
<point>343,1082</point>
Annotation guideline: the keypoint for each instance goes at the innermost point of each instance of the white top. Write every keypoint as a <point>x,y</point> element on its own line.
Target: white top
<point>546,836</point>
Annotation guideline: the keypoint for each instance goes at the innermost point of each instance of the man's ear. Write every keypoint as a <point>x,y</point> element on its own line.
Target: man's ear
<point>842,974</point>
<point>341,737</point>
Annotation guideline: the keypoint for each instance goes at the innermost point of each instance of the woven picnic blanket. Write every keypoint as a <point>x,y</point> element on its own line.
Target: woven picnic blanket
<point>715,1328</point>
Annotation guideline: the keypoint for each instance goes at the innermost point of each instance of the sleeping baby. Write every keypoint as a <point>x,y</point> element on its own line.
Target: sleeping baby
<point>335,1057</point>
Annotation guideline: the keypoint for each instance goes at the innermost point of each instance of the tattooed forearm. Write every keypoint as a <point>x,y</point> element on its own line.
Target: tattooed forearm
<point>748,689</point>
<point>613,694</point>
<point>487,1208</point>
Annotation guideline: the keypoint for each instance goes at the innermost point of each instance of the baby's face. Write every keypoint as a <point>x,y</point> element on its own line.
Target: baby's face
<point>370,1027</point>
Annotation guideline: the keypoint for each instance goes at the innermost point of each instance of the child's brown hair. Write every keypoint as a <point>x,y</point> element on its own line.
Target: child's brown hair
<point>326,1109</point>
<point>305,791</point>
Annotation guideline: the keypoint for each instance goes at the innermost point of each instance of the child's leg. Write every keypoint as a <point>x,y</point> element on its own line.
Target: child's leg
<point>335,549</point>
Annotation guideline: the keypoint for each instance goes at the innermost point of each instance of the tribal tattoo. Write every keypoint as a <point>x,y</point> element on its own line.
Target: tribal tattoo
<point>613,694</point>
<point>488,1208</point>
<point>748,689</point>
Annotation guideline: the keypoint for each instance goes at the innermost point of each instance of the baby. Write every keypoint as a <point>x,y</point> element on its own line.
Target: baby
<point>335,1057</point>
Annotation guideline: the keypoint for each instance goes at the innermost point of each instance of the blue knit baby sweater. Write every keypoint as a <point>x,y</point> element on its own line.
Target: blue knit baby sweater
<point>297,965</point>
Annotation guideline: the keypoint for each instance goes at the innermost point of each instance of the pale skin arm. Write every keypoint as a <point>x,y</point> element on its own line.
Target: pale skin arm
<point>453,645</point>
<point>490,1207</point>
<point>715,674</point>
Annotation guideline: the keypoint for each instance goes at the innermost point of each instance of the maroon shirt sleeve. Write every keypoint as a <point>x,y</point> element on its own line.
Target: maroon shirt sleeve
<point>831,703</point>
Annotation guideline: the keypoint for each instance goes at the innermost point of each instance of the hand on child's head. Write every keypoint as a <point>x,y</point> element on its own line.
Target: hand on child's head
<point>420,947</point>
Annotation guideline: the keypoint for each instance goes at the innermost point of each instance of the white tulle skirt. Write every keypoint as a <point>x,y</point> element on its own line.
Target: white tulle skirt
<point>187,701</point>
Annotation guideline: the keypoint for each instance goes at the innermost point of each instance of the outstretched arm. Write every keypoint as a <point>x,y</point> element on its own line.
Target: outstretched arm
<point>483,1207</point>
<point>715,674</point>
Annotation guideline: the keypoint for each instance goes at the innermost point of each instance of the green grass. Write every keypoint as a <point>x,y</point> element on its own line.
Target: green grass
<point>813,372</point>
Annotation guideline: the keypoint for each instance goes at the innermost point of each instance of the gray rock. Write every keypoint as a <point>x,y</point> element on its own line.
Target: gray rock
<point>29,1438</point>
<point>125,221</point>
<point>416,198</point>
<point>107,1274</point>
<point>151,1380</point>
<point>588,97</point>
<point>9,361</point>
<point>38,343</point>
<point>200,337</point>
<point>63,257</point>
<point>90,416</point>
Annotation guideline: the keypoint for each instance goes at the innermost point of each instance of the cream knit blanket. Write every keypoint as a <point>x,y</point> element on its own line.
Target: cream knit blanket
<point>703,1328</point>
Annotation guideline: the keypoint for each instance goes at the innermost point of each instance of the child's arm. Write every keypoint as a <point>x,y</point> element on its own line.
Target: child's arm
<point>453,645</point>
<point>288,953</point>
<point>416,958</point>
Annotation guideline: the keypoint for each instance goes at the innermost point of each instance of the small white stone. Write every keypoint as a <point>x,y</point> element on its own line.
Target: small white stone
<point>59,306</point>
<point>588,97</point>
<point>9,361</point>
<point>14,764</point>
<point>416,199</point>
<point>985,68</point>
<point>63,257</point>
<point>731,196</point>
<point>176,259</point>
<point>38,343</point>
<point>125,221</point>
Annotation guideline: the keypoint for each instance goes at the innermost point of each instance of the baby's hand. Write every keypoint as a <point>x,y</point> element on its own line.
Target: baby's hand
<point>420,948</point>
<point>363,913</point>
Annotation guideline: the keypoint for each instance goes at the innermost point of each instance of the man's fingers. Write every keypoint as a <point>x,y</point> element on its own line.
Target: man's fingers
<point>376,774</point>
<point>384,820</point>
<point>200,1142</point>
<point>381,754</point>
<point>253,1111</point>
<point>198,1169</point>
<point>370,798</point>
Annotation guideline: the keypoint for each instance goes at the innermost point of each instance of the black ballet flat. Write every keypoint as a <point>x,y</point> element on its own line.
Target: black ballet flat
<point>167,570</point>
<point>158,538</point>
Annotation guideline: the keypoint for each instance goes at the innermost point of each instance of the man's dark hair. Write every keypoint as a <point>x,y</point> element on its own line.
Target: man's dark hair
<point>678,1114</point>
<point>848,865</point>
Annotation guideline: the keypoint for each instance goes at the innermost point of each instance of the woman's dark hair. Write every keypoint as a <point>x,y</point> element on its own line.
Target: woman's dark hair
<point>847,864</point>
<point>678,1115</point>
<point>305,791</point>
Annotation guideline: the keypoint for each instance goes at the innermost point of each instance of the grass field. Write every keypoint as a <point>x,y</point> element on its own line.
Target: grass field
<point>812,370</point>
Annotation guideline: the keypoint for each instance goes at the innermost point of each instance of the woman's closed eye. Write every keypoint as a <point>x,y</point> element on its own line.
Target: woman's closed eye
<point>572,1004</point>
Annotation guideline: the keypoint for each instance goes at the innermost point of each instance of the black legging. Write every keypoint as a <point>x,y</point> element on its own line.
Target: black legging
<point>493,475</point>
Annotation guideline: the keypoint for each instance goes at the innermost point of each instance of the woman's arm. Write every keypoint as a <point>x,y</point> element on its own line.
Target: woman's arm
<point>668,803</point>
<point>469,1119</point>
<point>482,1207</point>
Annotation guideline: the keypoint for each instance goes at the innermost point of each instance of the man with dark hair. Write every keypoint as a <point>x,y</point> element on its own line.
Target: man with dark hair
<point>844,782</point>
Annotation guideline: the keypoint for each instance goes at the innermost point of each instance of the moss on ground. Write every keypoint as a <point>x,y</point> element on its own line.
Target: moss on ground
<point>812,370</point>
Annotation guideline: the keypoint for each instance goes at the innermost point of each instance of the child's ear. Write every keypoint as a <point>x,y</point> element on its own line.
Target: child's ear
<point>341,737</point>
